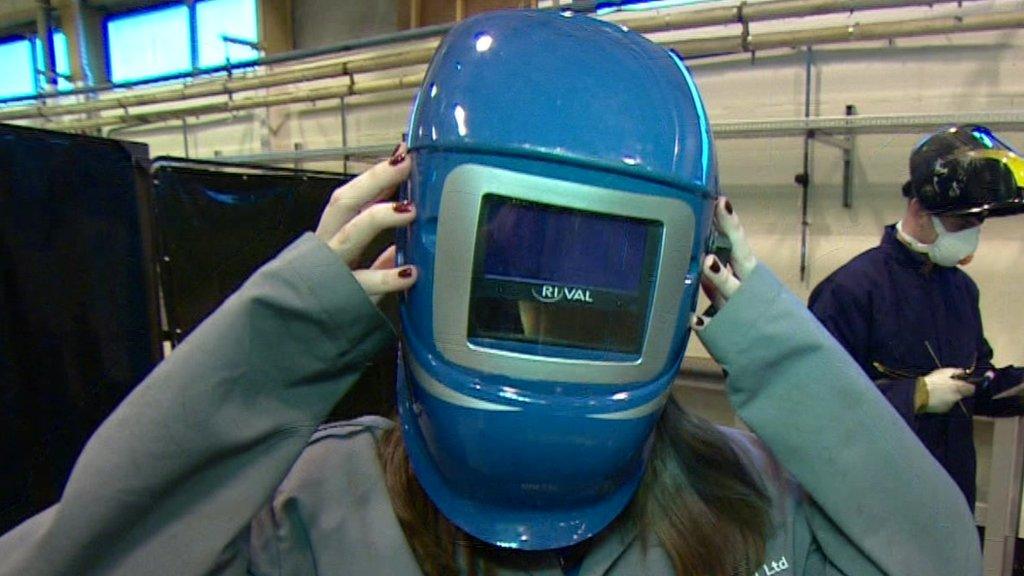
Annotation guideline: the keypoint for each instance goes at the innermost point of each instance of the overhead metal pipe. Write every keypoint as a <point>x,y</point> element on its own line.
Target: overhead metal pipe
<point>759,11</point>
<point>375,62</point>
<point>782,127</point>
<point>862,124</point>
<point>887,30</point>
<point>233,105</point>
<point>723,130</point>
<point>747,42</point>
<point>405,95</point>
<point>746,12</point>
<point>434,31</point>
<point>684,20</point>
<point>231,86</point>
<point>688,48</point>
<point>312,155</point>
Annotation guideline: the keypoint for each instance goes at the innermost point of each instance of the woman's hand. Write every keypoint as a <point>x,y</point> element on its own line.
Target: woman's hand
<point>355,215</point>
<point>721,280</point>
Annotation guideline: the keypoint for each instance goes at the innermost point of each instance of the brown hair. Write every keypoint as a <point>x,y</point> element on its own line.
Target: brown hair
<point>698,497</point>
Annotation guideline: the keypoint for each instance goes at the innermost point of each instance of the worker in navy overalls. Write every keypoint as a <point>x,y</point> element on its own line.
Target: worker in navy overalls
<point>909,315</point>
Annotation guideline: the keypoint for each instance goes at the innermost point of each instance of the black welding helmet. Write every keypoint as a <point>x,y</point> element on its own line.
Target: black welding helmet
<point>966,170</point>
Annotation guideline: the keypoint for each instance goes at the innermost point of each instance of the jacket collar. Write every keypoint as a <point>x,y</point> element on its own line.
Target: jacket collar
<point>902,254</point>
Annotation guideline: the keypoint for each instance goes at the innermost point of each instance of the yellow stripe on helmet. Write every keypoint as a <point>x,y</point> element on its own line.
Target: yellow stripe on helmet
<point>1012,161</point>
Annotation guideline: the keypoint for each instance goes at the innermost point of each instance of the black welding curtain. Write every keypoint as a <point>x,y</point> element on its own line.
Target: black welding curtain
<point>217,223</point>
<point>78,325</point>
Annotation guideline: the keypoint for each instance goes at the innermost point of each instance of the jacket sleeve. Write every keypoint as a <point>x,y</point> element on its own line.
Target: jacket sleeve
<point>170,481</point>
<point>1005,378</point>
<point>1002,378</point>
<point>846,314</point>
<point>880,502</point>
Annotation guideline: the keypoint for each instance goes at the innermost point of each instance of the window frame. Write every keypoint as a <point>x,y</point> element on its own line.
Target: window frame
<point>39,66</point>
<point>227,62</point>
<point>193,27</point>
<point>33,66</point>
<point>134,12</point>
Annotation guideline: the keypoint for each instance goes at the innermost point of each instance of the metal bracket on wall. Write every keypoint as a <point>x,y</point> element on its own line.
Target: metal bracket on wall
<point>844,142</point>
<point>184,135</point>
<point>803,179</point>
<point>343,111</point>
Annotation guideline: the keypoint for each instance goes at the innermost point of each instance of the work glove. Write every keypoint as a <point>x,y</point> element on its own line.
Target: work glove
<point>945,388</point>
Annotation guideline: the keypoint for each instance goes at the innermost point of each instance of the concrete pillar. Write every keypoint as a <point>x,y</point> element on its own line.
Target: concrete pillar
<point>320,23</point>
<point>44,26</point>
<point>277,31</point>
<point>416,13</point>
<point>83,27</point>
<point>276,36</point>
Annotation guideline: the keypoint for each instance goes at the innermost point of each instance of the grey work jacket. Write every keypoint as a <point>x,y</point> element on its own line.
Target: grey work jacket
<point>215,464</point>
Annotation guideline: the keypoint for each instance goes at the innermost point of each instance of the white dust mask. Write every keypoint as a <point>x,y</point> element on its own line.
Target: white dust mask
<point>952,247</point>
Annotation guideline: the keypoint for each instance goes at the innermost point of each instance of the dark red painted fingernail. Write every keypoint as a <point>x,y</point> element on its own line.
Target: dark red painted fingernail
<point>405,272</point>
<point>402,207</point>
<point>728,206</point>
<point>699,322</point>
<point>715,266</point>
<point>397,155</point>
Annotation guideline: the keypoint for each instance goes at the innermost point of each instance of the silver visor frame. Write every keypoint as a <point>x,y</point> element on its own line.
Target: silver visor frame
<point>461,200</point>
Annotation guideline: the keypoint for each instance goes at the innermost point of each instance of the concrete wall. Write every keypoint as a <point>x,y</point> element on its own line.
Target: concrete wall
<point>329,22</point>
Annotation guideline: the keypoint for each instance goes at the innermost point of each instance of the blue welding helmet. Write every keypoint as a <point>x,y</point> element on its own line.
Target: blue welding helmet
<point>564,179</point>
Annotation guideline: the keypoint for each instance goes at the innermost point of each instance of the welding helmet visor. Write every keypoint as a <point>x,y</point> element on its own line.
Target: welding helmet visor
<point>967,171</point>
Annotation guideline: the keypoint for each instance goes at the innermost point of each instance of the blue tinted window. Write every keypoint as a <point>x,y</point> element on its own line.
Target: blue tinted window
<point>216,19</point>
<point>637,5</point>
<point>149,44</point>
<point>60,56</point>
<point>16,75</point>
